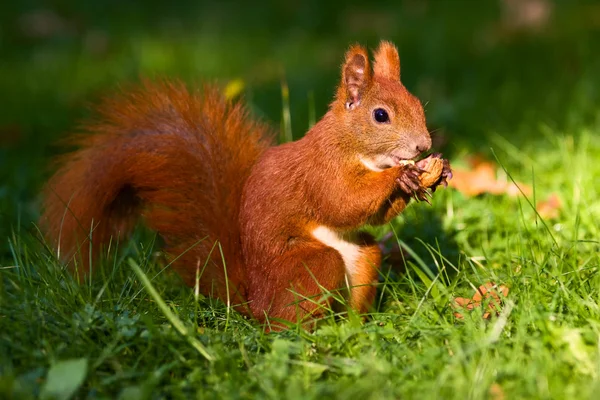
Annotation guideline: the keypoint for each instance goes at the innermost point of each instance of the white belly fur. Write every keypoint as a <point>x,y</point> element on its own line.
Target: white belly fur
<point>349,251</point>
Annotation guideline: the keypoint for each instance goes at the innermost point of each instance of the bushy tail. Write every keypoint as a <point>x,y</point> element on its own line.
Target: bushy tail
<point>177,158</point>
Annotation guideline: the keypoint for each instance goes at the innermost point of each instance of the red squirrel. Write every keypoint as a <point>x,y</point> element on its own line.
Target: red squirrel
<point>270,229</point>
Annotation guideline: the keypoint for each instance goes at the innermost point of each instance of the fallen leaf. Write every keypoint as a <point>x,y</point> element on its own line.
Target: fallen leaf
<point>488,291</point>
<point>481,178</point>
<point>463,303</point>
<point>469,304</point>
<point>492,292</point>
<point>496,392</point>
<point>531,15</point>
<point>549,208</point>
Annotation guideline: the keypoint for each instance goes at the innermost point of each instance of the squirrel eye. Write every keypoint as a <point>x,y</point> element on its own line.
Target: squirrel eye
<point>381,115</point>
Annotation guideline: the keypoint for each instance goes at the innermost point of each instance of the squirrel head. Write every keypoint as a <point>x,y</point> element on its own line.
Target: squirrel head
<point>382,121</point>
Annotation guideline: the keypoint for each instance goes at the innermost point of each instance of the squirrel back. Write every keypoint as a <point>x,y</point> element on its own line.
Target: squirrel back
<point>177,158</point>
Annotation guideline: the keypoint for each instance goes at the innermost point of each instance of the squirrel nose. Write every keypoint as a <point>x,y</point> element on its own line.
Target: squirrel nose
<point>423,143</point>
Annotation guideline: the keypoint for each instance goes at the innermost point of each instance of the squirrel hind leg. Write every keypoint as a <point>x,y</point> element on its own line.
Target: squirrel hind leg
<point>303,292</point>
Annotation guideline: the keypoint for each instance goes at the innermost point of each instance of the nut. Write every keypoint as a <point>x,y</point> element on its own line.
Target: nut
<point>433,171</point>
<point>406,162</point>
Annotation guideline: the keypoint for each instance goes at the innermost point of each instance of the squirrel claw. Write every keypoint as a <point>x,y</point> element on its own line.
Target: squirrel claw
<point>425,199</point>
<point>409,180</point>
<point>424,195</point>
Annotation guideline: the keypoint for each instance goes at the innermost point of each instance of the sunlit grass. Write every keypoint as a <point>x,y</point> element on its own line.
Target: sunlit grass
<point>527,102</point>
<point>543,343</point>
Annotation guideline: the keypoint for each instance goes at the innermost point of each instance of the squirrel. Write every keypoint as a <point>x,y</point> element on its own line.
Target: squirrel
<point>273,230</point>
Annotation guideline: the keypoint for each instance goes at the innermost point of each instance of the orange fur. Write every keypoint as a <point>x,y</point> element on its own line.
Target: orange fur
<point>199,171</point>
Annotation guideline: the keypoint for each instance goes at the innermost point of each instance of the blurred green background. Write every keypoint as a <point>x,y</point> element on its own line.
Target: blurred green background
<point>485,69</point>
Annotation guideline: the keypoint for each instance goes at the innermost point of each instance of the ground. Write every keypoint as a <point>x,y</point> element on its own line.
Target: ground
<point>519,88</point>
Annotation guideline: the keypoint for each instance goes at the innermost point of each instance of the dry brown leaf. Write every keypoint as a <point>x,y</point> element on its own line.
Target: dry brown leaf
<point>488,291</point>
<point>481,178</point>
<point>496,392</point>
<point>532,15</point>
<point>463,303</point>
<point>549,208</point>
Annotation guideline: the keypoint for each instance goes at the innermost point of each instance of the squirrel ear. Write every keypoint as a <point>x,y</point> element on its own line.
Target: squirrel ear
<point>387,61</point>
<point>356,76</point>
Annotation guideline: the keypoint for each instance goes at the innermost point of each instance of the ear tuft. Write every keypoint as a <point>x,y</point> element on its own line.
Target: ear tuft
<point>387,61</point>
<point>356,76</point>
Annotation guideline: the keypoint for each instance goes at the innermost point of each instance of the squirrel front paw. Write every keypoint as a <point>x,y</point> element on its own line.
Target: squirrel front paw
<point>409,179</point>
<point>422,179</point>
<point>411,184</point>
<point>446,173</point>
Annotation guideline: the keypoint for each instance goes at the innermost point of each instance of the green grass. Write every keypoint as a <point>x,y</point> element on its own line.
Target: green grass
<point>529,100</point>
